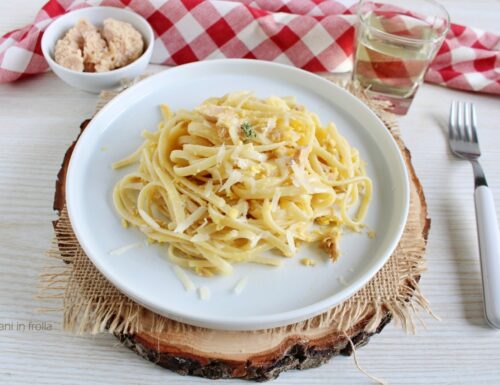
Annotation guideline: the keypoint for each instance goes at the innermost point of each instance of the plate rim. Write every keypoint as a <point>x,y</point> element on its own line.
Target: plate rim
<point>255,322</point>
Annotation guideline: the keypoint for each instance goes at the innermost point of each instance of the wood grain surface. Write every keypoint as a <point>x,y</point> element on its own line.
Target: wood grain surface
<point>39,118</point>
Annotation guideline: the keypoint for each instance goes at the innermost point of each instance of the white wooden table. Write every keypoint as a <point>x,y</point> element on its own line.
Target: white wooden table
<point>39,118</point>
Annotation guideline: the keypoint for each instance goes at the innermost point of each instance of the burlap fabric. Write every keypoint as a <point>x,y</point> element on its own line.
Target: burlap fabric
<point>91,304</point>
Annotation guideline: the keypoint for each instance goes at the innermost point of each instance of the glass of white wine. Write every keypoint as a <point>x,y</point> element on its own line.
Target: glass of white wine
<point>395,42</point>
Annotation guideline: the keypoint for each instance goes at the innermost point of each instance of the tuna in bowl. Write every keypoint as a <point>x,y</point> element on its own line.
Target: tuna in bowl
<point>98,48</point>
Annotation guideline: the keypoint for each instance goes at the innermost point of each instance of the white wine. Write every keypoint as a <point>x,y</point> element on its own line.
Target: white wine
<point>392,55</point>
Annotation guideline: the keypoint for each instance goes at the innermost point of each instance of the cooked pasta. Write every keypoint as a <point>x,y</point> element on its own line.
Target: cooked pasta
<point>239,176</point>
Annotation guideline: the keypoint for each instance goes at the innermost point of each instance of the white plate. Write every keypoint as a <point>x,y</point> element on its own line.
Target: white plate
<point>273,296</point>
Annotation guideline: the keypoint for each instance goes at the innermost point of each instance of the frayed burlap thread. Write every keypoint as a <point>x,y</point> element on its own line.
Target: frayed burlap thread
<point>90,304</point>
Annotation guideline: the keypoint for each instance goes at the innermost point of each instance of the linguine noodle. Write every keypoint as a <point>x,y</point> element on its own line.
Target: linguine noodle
<point>238,176</point>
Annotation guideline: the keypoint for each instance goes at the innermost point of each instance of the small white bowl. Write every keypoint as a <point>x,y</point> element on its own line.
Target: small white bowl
<point>97,81</point>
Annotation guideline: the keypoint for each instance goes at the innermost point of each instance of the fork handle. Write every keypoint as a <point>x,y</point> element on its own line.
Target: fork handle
<point>489,250</point>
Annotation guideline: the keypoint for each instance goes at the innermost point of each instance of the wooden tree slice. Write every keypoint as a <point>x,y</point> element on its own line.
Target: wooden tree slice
<point>257,355</point>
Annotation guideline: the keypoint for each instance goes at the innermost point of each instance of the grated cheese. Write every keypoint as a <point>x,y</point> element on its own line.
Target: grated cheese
<point>185,280</point>
<point>208,188</point>
<point>243,163</point>
<point>252,154</point>
<point>300,177</point>
<point>270,125</point>
<point>124,249</point>
<point>254,240</point>
<point>150,221</point>
<point>220,154</point>
<point>240,286</point>
<point>236,152</point>
<point>304,153</point>
<point>234,178</point>
<point>204,293</point>
<point>276,199</point>
<point>226,176</point>
<point>200,237</point>
<point>291,243</point>
<point>195,215</point>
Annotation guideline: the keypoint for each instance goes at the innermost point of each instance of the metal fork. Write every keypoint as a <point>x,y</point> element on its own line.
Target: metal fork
<point>464,143</point>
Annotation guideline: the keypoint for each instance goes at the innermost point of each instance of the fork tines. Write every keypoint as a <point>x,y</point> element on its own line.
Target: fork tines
<point>462,125</point>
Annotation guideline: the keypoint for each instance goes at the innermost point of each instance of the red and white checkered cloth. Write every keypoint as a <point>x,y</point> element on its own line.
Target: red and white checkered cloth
<point>316,35</point>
